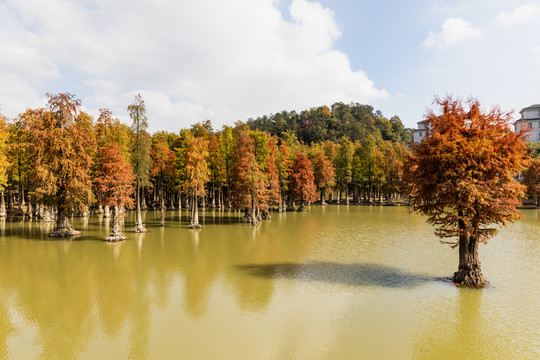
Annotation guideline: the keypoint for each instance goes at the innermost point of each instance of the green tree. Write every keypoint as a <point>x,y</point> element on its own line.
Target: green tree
<point>140,153</point>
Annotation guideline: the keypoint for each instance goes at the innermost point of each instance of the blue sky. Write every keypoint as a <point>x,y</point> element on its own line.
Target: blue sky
<point>231,60</point>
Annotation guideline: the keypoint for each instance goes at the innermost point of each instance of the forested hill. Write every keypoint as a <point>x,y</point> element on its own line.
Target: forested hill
<point>356,121</point>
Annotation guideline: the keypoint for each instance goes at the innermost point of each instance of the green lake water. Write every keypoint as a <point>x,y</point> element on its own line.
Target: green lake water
<point>334,282</point>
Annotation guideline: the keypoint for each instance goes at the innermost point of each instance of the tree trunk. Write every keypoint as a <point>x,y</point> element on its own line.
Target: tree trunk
<point>63,228</point>
<point>139,226</point>
<point>347,194</point>
<point>179,201</point>
<point>116,234</point>
<point>302,205</point>
<point>29,208</point>
<point>323,202</point>
<point>142,202</point>
<point>10,202</point>
<point>265,215</point>
<point>162,209</point>
<point>469,272</point>
<point>106,212</point>
<point>253,213</point>
<point>195,214</point>
<point>2,205</point>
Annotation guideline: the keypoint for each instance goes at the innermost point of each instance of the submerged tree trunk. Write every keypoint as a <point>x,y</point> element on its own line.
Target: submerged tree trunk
<point>63,228</point>
<point>2,205</point>
<point>162,209</point>
<point>139,226</point>
<point>469,272</point>
<point>116,234</point>
<point>323,202</point>
<point>29,208</point>
<point>195,214</point>
<point>265,215</point>
<point>302,205</point>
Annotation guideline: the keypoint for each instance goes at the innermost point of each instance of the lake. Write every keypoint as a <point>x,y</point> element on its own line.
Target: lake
<point>334,282</point>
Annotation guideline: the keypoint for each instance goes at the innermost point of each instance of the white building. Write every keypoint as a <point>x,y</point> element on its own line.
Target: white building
<point>530,119</point>
<point>420,133</point>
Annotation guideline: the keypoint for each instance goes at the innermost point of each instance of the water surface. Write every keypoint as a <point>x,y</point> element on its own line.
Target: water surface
<point>335,282</point>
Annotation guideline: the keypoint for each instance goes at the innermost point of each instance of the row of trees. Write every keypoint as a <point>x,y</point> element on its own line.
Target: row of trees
<point>59,158</point>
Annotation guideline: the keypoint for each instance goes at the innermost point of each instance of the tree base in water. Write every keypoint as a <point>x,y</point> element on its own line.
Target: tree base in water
<point>469,277</point>
<point>115,237</point>
<point>63,232</point>
<point>195,226</point>
<point>139,228</point>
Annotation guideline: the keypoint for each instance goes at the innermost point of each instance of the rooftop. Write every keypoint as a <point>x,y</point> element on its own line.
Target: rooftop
<point>532,107</point>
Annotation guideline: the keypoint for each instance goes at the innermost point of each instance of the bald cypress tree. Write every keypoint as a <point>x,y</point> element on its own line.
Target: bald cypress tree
<point>140,154</point>
<point>64,142</point>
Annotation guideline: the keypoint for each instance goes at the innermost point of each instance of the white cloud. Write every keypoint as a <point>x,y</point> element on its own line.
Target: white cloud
<point>520,15</point>
<point>223,60</point>
<point>535,52</point>
<point>453,31</point>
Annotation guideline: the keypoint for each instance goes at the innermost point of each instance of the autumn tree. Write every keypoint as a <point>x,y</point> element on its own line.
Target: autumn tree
<point>531,178</point>
<point>462,176</point>
<point>63,142</point>
<point>163,170</point>
<point>196,174</point>
<point>323,172</point>
<point>114,184</point>
<point>273,193</point>
<point>217,167</point>
<point>249,180</point>
<point>302,181</point>
<point>343,161</point>
<point>140,154</point>
<point>284,165</point>
<point>4,163</point>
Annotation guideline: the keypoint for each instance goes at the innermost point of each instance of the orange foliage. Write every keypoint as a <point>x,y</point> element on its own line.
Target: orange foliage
<point>462,175</point>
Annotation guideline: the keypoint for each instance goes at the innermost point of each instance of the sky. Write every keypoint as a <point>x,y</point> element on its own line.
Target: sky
<point>230,60</point>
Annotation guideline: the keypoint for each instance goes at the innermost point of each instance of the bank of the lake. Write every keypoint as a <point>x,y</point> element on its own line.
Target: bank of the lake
<point>334,282</point>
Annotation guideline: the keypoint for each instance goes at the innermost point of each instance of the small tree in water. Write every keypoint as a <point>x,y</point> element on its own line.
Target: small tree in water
<point>114,184</point>
<point>140,153</point>
<point>197,174</point>
<point>462,176</point>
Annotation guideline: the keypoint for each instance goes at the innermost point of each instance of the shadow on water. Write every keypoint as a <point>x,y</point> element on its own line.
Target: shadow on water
<point>338,273</point>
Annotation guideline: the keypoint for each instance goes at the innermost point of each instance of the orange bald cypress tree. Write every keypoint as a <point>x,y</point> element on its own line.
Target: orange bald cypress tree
<point>197,174</point>
<point>163,168</point>
<point>248,185</point>
<point>531,178</point>
<point>323,172</point>
<point>114,184</point>
<point>462,176</point>
<point>302,181</point>
<point>63,139</point>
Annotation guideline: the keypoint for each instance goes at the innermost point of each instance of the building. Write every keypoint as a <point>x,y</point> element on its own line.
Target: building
<point>530,119</point>
<point>420,133</point>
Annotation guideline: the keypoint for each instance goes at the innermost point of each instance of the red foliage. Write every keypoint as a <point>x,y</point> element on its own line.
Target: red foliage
<point>114,180</point>
<point>302,180</point>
